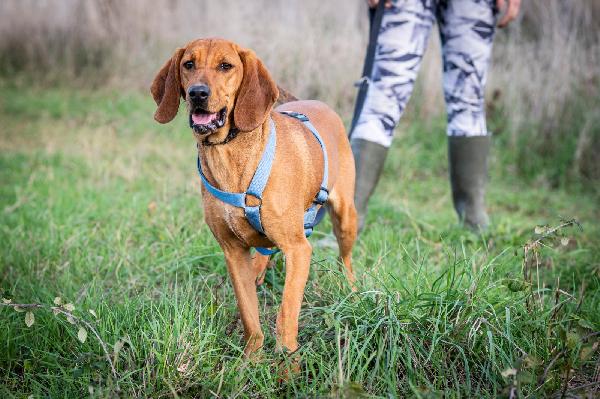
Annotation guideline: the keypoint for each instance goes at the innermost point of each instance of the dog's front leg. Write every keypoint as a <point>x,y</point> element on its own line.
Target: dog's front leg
<point>243,278</point>
<point>297,264</point>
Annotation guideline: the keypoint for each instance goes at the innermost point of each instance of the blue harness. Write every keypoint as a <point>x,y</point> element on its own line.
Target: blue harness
<point>259,181</point>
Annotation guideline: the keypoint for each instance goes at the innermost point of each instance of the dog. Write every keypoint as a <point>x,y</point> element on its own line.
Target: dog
<point>230,97</point>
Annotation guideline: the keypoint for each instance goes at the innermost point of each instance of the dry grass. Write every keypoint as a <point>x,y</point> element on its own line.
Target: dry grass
<point>315,48</point>
<point>543,64</point>
<point>548,59</point>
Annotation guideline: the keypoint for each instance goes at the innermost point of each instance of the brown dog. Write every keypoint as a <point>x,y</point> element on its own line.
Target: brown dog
<point>228,90</point>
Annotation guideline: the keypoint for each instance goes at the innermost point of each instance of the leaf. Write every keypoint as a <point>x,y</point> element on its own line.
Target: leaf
<point>19,309</point>
<point>573,339</point>
<point>526,377</point>
<point>7,301</point>
<point>516,284</point>
<point>353,390</point>
<point>586,352</point>
<point>531,362</point>
<point>509,372</point>
<point>93,313</point>
<point>212,309</point>
<point>117,347</point>
<point>27,365</point>
<point>82,334</point>
<point>58,301</point>
<point>55,310</point>
<point>564,241</point>
<point>539,229</point>
<point>182,368</point>
<point>29,319</point>
<point>69,307</point>
<point>329,320</point>
<point>71,320</point>
<point>585,324</point>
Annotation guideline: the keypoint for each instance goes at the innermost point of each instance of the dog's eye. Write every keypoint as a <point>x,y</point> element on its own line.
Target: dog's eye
<point>225,66</point>
<point>188,64</point>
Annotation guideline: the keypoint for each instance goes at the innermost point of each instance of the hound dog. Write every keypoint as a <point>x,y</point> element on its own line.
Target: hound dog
<point>230,97</point>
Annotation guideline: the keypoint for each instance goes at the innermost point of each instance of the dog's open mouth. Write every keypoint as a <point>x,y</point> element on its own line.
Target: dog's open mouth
<point>204,122</point>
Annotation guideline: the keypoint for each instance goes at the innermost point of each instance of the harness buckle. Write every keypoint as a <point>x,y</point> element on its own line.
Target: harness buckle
<point>322,196</point>
<point>297,115</point>
<point>361,81</point>
<point>254,200</point>
<point>308,230</point>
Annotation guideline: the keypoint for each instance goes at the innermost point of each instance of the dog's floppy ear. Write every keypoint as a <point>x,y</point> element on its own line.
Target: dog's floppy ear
<point>166,88</point>
<point>257,94</point>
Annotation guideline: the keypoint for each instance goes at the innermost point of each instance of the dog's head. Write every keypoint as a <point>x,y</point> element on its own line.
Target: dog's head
<point>223,85</point>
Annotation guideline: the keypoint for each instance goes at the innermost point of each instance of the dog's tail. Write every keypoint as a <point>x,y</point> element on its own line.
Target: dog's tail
<point>285,96</point>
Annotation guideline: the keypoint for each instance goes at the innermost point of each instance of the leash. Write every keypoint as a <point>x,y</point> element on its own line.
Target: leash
<point>375,18</point>
<point>259,181</point>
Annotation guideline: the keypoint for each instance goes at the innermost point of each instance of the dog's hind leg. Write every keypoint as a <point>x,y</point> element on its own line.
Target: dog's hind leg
<point>243,278</point>
<point>343,219</point>
<point>259,264</point>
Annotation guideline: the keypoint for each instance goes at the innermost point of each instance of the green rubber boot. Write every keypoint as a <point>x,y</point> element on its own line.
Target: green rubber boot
<point>369,158</point>
<point>468,157</point>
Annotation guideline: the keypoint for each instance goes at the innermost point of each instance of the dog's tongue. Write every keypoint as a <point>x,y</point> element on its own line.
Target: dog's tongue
<point>203,119</point>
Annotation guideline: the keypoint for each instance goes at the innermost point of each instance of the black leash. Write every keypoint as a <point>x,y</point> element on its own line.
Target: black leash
<point>375,17</point>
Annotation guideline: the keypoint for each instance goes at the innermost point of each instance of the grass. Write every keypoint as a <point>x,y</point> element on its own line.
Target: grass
<point>100,206</point>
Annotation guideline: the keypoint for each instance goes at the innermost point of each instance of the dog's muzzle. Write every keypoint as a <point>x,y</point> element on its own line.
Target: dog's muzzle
<point>204,122</point>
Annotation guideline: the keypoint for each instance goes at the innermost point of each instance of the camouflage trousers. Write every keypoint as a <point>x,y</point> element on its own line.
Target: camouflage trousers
<point>467,31</point>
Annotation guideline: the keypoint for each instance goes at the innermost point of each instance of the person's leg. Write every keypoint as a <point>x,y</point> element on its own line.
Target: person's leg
<point>400,47</point>
<point>467,32</point>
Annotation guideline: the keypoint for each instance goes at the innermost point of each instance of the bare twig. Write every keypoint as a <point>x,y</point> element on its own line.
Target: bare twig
<point>549,367</point>
<point>588,385</point>
<point>542,380</point>
<point>566,382</point>
<point>550,232</point>
<point>533,247</point>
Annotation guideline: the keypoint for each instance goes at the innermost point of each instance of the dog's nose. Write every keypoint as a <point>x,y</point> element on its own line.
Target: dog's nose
<point>199,92</point>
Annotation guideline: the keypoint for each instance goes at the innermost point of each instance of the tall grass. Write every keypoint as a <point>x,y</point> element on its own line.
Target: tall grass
<point>547,79</point>
<point>313,47</point>
<point>543,86</point>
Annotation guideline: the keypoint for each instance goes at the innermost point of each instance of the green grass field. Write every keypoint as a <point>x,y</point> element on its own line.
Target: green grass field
<point>100,206</point>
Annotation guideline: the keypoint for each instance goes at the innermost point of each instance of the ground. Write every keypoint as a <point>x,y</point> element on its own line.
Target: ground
<point>100,206</point>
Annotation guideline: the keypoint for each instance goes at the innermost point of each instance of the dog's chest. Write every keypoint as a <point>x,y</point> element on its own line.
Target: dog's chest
<point>236,221</point>
<point>233,220</point>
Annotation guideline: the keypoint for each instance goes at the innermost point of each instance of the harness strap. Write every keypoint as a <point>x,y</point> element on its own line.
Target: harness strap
<point>310,216</point>
<point>235,199</point>
<point>259,182</point>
